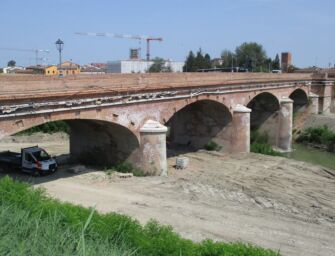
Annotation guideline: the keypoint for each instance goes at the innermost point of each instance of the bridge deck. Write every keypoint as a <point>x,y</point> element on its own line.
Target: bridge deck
<point>28,87</point>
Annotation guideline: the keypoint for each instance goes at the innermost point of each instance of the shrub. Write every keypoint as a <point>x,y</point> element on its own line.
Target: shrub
<point>212,146</point>
<point>126,167</point>
<point>319,135</point>
<point>259,144</point>
<point>265,149</point>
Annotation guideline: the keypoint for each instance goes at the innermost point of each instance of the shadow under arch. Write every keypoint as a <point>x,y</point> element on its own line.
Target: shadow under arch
<point>197,124</point>
<point>264,115</point>
<point>300,100</point>
<point>99,142</point>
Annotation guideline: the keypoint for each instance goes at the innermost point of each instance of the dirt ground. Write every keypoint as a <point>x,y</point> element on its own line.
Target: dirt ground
<point>273,202</point>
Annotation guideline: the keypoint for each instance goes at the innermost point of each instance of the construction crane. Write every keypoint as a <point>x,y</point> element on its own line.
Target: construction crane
<point>148,39</point>
<point>36,51</point>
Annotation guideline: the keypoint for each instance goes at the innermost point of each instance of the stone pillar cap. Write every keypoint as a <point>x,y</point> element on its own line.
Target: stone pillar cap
<point>241,109</point>
<point>313,95</point>
<point>151,126</point>
<point>285,100</point>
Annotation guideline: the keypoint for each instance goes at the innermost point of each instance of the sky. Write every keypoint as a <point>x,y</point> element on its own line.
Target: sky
<point>303,27</point>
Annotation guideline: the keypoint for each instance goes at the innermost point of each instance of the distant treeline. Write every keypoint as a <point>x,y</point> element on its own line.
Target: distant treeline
<point>51,127</point>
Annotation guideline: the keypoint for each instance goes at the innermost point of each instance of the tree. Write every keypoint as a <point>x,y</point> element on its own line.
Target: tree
<point>229,59</point>
<point>251,56</point>
<point>276,63</point>
<point>159,66</point>
<point>11,63</point>
<point>195,62</point>
<point>190,63</point>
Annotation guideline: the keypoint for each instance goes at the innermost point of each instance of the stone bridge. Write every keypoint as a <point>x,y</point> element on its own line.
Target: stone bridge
<point>128,117</point>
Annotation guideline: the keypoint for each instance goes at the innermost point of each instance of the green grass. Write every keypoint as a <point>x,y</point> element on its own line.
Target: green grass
<point>51,127</point>
<point>259,144</point>
<point>33,224</point>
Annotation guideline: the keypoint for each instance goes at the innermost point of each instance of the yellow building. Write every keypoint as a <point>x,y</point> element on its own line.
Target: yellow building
<point>42,70</point>
<point>51,70</point>
<point>69,68</point>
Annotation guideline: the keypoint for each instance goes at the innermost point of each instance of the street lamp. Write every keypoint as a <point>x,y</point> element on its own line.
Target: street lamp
<point>60,45</point>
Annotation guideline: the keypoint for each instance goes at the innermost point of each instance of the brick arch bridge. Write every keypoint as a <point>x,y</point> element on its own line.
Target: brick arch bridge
<point>124,116</point>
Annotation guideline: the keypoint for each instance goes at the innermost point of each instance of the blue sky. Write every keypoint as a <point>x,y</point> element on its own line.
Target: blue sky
<point>303,27</point>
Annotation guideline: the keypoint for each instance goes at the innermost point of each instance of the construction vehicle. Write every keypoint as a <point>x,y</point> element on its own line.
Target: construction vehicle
<point>148,39</point>
<point>32,160</point>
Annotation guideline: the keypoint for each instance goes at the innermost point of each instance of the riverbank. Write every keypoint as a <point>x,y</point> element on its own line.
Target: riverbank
<point>312,155</point>
<point>273,202</point>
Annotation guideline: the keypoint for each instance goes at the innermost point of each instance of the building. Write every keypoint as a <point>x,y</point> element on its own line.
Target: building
<point>50,70</point>
<point>12,70</point>
<point>68,68</point>
<point>139,66</point>
<point>217,62</point>
<point>286,61</point>
<point>92,70</point>
<point>99,65</point>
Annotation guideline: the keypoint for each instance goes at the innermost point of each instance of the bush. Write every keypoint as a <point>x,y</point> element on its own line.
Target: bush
<point>259,144</point>
<point>212,146</point>
<point>264,149</point>
<point>319,135</point>
<point>126,167</point>
<point>33,224</point>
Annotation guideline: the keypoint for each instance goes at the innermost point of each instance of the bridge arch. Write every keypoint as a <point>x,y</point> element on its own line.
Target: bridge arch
<point>94,141</point>
<point>198,123</point>
<point>264,115</point>
<point>300,100</point>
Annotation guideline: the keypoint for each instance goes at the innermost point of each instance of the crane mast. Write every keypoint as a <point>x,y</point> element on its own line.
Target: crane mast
<point>148,39</point>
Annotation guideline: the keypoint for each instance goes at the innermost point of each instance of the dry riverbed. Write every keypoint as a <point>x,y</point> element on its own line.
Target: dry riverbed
<point>273,202</point>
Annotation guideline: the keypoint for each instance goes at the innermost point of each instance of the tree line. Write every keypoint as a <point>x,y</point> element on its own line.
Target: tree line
<point>251,56</point>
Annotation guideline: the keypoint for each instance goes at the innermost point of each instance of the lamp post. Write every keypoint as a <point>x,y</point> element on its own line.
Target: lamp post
<point>60,45</point>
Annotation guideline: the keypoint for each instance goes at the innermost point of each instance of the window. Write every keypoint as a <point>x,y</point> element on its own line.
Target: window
<point>41,155</point>
<point>29,158</point>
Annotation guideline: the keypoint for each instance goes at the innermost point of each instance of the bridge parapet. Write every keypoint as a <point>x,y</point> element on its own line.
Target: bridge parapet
<point>21,87</point>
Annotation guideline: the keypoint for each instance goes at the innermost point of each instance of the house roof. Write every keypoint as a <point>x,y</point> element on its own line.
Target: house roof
<point>68,65</point>
<point>39,67</point>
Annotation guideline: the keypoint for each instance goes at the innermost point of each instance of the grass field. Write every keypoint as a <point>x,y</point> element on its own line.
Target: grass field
<point>34,224</point>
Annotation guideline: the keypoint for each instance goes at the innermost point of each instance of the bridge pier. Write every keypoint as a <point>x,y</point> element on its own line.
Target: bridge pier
<point>284,141</point>
<point>153,148</point>
<point>241,130</point>
<point>313,107</point>
<point>327,97</point>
